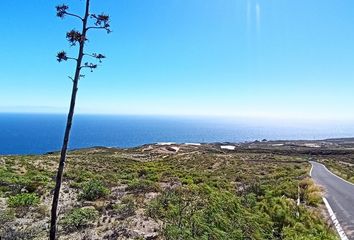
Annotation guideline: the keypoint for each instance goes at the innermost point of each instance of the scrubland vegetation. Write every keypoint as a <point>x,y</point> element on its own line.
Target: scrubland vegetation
<point>155,192</point>
<point>344,169</point>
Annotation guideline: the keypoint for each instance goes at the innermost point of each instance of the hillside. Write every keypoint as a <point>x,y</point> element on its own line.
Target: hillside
<point>172,191</point>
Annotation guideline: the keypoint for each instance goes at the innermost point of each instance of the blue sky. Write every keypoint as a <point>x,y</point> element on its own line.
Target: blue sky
<point>258,58</point>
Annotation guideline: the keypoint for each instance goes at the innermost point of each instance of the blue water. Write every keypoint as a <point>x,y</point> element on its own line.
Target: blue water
<point>40,133</point>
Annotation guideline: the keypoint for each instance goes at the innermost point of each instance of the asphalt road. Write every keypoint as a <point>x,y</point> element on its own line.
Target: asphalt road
<point>339,194</point>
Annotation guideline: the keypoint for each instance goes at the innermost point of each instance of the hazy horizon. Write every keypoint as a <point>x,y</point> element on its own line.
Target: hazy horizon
<point>263,120</point>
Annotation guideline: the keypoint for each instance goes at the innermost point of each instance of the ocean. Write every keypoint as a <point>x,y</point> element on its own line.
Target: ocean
<point>41,133</point>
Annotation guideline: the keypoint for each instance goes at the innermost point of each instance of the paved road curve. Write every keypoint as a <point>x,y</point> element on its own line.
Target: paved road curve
<point>340,196</point>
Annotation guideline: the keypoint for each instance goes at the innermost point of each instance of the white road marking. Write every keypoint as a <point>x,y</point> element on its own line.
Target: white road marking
<point>311,170</point>
<point>333,174</point>
<point>333,217</point>
<point>335,221</point>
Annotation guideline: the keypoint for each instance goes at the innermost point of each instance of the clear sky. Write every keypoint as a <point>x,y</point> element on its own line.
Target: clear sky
<point>268,58</point>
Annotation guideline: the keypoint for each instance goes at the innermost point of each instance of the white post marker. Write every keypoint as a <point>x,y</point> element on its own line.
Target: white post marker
<point>339,229</point>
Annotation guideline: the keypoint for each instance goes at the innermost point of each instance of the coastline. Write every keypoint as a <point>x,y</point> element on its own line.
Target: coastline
<point>332,144</point>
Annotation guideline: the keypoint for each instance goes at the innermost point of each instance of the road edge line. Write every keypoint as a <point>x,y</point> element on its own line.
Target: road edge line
<point>311,169</point>
<point>335,174</point>
<point>336,223</point>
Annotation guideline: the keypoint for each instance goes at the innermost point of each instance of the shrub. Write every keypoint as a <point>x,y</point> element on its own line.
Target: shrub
<point>314,198</point>
<point>126,208</point>
<point>93,190</point>
<point>23,200</point>
<point>142,186</point>
<point>79,218</point>
<point>201,212</point>
<point>310,193</point>
<point>6,216</point>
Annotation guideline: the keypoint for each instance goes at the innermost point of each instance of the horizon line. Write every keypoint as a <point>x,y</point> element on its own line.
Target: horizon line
<point>179,115</point>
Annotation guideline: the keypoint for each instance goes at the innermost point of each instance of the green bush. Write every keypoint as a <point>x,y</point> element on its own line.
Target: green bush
<point>79,218</point>
<point>23,200</point>
<point>201,212</point>
<point>142,186</point>
<point>93,190</point>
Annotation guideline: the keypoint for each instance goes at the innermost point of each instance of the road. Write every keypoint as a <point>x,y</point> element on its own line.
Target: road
<point>339,194</point>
